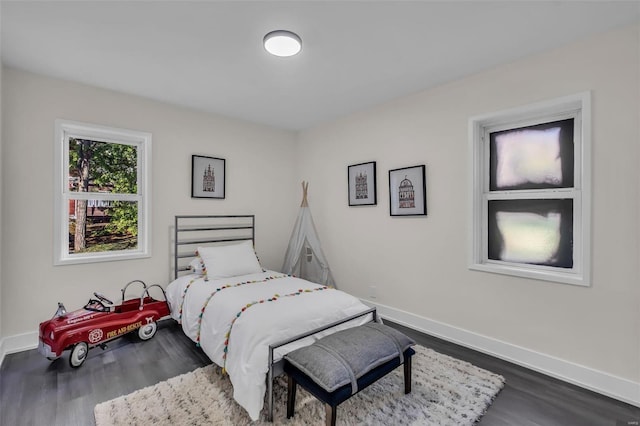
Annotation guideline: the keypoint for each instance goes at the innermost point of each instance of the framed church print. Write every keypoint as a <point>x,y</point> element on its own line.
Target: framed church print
<point>362,184</point>
<point>207,177</point>
<point>408,191</point>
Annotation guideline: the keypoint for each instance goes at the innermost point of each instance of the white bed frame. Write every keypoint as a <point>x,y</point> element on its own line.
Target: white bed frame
<point>193,230</point>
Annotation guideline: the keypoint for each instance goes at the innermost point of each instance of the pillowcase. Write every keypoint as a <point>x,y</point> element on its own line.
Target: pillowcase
<point>230,260</point>
<point>196,266</point>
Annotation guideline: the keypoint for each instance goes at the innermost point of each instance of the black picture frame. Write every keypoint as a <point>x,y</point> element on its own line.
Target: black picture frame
<point>408,191</point>
<point>208,177</point>
<point>362,184</point>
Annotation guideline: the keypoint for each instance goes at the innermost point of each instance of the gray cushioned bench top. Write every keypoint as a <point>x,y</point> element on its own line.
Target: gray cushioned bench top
<point>343,357</point>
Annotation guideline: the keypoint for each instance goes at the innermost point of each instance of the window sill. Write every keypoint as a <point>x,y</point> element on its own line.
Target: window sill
<point>543,275</point>
<point>101,257</point>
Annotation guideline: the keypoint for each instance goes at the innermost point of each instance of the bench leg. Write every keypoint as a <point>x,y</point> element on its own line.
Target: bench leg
<point>291,396</point>
<point>330,415</point>
<point>407,375</point>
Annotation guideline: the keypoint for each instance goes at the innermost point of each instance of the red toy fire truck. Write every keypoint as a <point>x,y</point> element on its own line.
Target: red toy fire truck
<point>100,321</point>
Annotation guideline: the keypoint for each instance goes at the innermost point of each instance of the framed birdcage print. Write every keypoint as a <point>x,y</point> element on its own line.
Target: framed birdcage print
<point>207,177</point>
<point>362,184</point>
<point>408,191</point>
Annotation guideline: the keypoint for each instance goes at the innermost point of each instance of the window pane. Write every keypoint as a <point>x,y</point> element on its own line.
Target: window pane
<point>537,232</point>
<point>532,157</point>
<point>102,226</point>
<point>102,167</point>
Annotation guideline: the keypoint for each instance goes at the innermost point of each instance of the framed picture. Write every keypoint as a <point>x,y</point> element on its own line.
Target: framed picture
<point>207,177</point>
<point>362,184</point>
<point>408,191</point>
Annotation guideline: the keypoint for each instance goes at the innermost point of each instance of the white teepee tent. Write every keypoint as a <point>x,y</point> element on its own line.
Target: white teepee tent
<point>304,257</point>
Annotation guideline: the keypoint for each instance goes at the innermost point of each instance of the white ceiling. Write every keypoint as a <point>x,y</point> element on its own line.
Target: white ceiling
<point>356,54</point>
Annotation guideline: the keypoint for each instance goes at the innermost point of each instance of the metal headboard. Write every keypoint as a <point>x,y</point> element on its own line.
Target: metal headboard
<point>191,231</point>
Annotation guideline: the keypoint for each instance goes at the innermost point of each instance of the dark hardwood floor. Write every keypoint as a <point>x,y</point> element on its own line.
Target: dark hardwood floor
<point>530,398</point>
<point>34,391</point>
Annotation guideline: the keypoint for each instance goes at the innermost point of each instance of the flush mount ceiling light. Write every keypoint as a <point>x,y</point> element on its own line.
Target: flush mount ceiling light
<point>282,43</point>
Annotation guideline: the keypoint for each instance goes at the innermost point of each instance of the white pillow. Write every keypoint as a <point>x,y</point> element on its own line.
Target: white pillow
<point>230,260</point>
<point>196,266</point>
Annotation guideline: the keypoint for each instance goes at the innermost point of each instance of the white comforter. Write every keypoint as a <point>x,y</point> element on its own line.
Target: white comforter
<point>260,325</point>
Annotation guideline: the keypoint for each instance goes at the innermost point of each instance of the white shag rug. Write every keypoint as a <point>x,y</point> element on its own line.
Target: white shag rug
<point>445,391</point>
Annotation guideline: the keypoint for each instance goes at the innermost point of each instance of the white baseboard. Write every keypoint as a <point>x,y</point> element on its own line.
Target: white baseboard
<point>586,377</point>
<point>18,343</point>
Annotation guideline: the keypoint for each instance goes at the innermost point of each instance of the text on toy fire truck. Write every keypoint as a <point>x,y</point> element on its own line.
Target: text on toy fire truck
<point>124,329</point>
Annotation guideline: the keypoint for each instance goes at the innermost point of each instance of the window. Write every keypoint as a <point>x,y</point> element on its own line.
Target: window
<point>530,186</point>
<point>102,193</point>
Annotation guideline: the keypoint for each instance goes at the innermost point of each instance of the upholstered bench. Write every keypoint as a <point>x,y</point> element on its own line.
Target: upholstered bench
<point>340,365</point>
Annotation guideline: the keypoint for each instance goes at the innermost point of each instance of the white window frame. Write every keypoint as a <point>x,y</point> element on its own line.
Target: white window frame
<point>66,129</point>
<point>576,106</point>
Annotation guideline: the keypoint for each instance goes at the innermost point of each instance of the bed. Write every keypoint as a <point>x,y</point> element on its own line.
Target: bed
<point>243,317</point>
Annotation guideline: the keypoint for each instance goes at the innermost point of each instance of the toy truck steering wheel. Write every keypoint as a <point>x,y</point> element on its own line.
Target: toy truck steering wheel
<point>103,299</point>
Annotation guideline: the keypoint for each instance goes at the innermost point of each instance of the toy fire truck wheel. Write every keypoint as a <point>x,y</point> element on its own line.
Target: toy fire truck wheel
<point>78,354</point>
<point>147,331</point>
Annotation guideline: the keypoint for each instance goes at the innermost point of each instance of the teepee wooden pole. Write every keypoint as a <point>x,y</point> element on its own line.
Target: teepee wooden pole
<point>305,188</point>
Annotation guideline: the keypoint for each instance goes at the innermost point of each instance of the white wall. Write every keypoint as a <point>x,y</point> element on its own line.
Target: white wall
<point>260,180</point>
<point>419,265</point>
